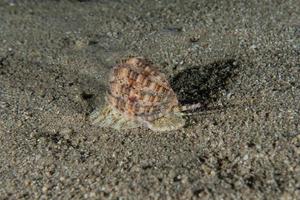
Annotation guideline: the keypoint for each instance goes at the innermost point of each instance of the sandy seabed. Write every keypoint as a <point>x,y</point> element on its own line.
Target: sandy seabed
<point>240,58</point>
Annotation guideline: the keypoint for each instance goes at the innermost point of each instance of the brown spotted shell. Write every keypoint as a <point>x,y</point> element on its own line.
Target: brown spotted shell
<point>138,89</point>
<point>139,95</point>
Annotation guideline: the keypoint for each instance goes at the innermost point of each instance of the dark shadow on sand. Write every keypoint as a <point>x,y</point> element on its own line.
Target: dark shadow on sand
<point>203,84</point>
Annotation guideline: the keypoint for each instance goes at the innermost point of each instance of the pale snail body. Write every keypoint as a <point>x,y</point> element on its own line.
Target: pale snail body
<point>140,95</point>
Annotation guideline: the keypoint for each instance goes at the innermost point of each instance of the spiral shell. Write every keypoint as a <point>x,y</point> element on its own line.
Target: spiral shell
<point>139,95</point>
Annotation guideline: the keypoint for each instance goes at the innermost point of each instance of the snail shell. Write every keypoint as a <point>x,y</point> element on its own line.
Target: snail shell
<point>139,95</point>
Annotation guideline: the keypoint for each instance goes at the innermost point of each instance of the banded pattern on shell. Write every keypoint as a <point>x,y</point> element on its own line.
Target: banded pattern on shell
<point>139,95</point>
